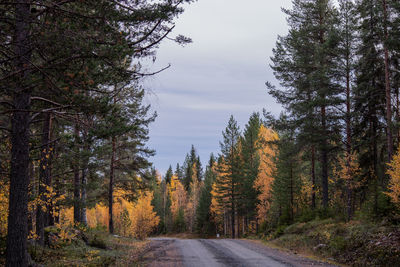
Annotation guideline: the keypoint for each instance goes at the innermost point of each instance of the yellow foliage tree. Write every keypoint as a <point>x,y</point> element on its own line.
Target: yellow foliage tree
<point>98,215</point>
<point>264,180</point>
<point>394,183</point>
<point>347,170</point>
<point>4,188</point>
<point>193,201</point>
<point>178,195</point>
<point>218,206</point>
<point>144,218</point>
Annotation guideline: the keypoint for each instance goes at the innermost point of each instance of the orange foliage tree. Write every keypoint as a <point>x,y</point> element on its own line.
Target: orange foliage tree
<point>264,180</point>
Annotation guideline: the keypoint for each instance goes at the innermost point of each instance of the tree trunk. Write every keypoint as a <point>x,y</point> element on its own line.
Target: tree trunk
<point>236,224</point>
<point>397,115</point>
<point>348,137</point>
<point>111,187</point>
<point>77,182</point>
<point>49,178</point>
<point>387,86</point>
<point>291,194</point>
<point>16,254</point>
<point>41,210</point>
<point>313,204</point>
<point>84,196</point>
<point>233,220</point>
<point>225,227</point>
<point>85,169</point>
<point>32,193</point>
<point>243,226</point>
<point>324,161</point>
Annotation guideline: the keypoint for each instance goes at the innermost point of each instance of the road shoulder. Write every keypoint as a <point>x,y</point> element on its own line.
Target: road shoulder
<point>286,255</point>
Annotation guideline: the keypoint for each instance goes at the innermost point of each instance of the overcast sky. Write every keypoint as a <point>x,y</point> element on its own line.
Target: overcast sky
<point>222,72</point>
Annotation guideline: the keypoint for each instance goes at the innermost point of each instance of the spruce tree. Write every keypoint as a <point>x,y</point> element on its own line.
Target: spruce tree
<point>204,223</point>
<point>287,183</point>
<point>228,183</point>
<point>168,175</point>
<point>251,162</point>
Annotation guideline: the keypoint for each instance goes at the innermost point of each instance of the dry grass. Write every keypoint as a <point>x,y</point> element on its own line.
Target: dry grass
<point>118,251</point>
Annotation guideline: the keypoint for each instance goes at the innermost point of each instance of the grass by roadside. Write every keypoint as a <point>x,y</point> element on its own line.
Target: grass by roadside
<point>92,247</point>
<point>354,243</point>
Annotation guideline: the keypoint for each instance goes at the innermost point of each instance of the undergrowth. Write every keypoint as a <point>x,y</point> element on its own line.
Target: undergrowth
<point>353,243</point>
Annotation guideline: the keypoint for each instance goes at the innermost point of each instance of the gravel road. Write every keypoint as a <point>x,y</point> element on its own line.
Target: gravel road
<point>167,252</point>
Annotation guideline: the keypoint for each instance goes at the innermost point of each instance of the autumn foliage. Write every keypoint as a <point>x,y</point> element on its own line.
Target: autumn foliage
<point>265,177</point>
<point>3,208</point>
<point>135,219</point>
<point>394,183</point>
<point>144,219</point>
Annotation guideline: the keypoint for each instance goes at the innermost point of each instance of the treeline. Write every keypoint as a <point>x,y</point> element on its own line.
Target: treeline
<point>331,153</point>
<point>232,197</point>
<point>73,122</point>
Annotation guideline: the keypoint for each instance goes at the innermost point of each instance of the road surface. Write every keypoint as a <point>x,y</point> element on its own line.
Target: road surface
<point>166,252</point>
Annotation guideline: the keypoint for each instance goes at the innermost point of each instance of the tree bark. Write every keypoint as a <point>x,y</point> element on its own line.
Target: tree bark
<point>77,182</point>
<point>42,210</point>
<point>348,129</point>
<point>31,192</point>
<point>49,177</point>
<point>84,196</point>
<point>233,220</point>
<point>387,87</point>
<point>16,254</point>
<point>85,169</point>
<point>111,187</point>
<point>291,194</point>
<point>313,203</point>
<point>324,161</point>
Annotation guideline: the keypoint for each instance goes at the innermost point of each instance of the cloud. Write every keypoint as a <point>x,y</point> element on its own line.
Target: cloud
<point>222,73</point>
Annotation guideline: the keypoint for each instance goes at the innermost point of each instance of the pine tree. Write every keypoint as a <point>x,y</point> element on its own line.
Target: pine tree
<point>49,66</point>
<point>348,23</point>
<point>307,75</point>
<point>369,97</point>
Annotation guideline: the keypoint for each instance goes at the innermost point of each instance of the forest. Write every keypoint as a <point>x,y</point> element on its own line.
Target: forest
<point>74,128</point>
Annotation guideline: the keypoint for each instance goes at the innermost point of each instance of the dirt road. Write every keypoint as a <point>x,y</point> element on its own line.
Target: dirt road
<point>167,252</point>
